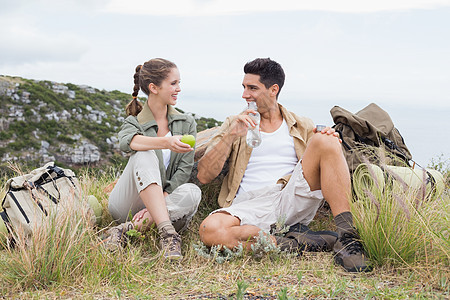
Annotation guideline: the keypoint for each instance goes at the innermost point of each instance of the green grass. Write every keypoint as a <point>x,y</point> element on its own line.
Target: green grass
<point>66,259</point>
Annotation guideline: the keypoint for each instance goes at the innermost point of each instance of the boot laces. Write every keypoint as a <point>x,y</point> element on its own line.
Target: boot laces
<point>118,233</point>
<point>351,243</point>
<point>171,242</point>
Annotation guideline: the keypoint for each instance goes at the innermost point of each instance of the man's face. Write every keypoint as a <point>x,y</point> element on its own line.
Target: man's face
<point>254,90</point>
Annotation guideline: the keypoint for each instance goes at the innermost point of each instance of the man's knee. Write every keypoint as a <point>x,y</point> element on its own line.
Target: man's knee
<point>213,229</point>
<point>325,144</point>
<point>209,228</point>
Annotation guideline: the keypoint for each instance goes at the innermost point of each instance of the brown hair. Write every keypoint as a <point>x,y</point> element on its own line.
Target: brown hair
<point>270,72</point>
<point>153,71</point>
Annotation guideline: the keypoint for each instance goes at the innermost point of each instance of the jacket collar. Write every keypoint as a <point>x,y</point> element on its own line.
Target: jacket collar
<point>290,120</point>
<point>146,114</point>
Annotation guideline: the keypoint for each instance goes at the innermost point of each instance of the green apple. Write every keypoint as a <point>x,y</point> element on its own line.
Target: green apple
<point>188,139</point>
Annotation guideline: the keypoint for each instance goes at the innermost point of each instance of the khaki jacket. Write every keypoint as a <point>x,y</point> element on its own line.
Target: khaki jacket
<point>180,166</point>
<point>300,128</point>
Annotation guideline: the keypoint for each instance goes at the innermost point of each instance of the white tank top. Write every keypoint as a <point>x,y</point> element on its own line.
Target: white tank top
<point>166,153</point>
<point>273,159</point>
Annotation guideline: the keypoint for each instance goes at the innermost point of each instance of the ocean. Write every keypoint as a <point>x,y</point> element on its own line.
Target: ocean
<point>425,129</point>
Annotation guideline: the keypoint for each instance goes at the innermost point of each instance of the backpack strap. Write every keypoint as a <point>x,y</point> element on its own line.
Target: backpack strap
<point>46,177</point>
<point>19,206</point>
<point>391,145</point>
<point>358,138</point>
<point>5,219</point>
<point>61,173</point>
<point>34,185</point>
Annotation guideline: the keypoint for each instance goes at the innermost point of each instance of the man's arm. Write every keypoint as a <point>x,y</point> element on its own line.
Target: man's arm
<point>212,162</point>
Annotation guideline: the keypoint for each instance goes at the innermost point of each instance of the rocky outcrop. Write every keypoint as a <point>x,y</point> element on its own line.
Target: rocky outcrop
<point>17,106</point>
<point>43,121</point>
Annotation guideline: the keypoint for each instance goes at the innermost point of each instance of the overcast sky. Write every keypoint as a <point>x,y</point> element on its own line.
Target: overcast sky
<point>348,52</point>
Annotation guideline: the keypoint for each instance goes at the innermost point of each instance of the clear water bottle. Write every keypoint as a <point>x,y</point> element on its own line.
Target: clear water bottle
<point>253,134</point>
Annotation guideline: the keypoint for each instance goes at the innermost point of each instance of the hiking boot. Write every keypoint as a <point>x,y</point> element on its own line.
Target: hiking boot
<point>116,236</point>
<point>312,241</point>
<point>171,246</point>
<point>289,245</point>
<point>349,253</point>
<point>182,224</point>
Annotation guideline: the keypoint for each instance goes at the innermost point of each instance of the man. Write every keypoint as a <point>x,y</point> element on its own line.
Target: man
<point>312,166</point>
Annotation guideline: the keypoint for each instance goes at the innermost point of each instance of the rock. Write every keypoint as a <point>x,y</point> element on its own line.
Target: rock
<point>45,144</point>
<point>85,154</point>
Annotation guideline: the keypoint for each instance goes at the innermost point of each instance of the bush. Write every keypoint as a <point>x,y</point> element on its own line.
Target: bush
<point>65,139</point>
<point>5,135</point>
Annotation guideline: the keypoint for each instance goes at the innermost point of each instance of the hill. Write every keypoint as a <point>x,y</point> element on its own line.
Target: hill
<point>73,125</point>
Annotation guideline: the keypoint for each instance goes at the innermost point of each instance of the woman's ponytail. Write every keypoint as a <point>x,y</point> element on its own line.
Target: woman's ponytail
<point>134,107</point>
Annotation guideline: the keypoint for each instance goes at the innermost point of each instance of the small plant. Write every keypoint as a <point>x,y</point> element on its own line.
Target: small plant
<point>280,227</point>
<point>299,278</point>
<point>218,253</point>
<point>133,234</point>
<point>241,288</point>
<point>282,294</point>
<point>264,246</point>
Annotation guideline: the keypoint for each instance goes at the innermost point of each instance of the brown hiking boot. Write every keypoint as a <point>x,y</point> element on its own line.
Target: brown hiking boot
<point>289,245</point>
<point>116,236</point>
<point>312,241</point>
<point>171,246</point>
<point>349,253</point>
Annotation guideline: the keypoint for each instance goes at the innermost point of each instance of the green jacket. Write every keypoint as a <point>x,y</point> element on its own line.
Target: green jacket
<point>180,166</point>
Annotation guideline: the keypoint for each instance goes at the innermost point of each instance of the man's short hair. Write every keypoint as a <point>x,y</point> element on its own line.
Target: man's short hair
<point>270,72</point>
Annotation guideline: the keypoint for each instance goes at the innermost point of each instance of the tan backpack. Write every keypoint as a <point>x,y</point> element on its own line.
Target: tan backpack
<point>371,126</point>
<point>32,197</point>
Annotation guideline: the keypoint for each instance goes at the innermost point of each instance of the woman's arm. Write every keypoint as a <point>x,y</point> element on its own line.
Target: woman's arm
<point>132,138</point>
<point>144,143</point>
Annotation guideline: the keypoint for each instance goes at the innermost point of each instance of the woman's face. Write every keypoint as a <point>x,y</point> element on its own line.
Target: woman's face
<point>170,87</point>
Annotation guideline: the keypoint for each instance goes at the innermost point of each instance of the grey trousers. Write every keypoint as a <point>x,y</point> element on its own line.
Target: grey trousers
<point>141,171</point>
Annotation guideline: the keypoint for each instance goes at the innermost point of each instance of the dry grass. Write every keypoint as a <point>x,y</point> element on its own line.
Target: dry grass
<point>138,272</point>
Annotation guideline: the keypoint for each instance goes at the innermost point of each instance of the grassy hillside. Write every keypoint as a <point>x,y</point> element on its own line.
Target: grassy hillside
<point>73,125</point>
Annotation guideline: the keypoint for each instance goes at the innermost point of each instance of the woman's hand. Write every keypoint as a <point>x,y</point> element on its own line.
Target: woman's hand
<point>139,215</point>
<point>174,144</point>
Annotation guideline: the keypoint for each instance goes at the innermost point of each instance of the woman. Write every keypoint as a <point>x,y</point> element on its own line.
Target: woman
<point>153,184</point>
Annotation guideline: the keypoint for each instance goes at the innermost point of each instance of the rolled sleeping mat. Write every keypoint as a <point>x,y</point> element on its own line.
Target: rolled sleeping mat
<point>372,178</point>
<point>368,177</point>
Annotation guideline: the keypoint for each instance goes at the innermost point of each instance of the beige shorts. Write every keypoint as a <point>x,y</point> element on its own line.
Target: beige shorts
<point>295,203</point>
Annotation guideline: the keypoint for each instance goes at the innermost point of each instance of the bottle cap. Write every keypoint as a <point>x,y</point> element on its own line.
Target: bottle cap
<point>320,127</point>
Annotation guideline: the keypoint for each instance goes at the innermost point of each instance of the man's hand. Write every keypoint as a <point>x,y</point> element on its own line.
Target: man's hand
<point>328,131</point>
<point>212,162</point>
<point>241,122</point>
